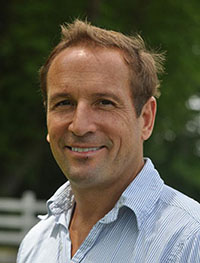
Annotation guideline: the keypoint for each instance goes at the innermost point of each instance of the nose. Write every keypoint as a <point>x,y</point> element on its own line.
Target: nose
<point>82,122</point>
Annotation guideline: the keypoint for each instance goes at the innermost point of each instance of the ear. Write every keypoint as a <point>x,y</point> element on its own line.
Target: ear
<point>148,118</point>
<point>47,138</point>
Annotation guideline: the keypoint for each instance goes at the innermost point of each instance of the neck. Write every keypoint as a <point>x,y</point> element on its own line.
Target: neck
<point>90,207</point>
<point>93,204</point>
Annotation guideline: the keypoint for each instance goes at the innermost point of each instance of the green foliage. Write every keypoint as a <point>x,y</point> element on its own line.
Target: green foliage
<point>29,29</point>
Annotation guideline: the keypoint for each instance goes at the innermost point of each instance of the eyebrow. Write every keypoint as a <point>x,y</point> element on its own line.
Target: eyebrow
<point>59,95</point>
<point>95,95</point>
<point>107,95</point>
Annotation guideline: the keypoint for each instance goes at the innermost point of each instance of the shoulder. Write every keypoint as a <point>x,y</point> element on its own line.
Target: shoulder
<point>187,250</point>
<point>179,219</point>
<point>36,238</point>
<point>173,226</point>
<point>180,204</point>
<point>42,229</point>
<point>41,244</point>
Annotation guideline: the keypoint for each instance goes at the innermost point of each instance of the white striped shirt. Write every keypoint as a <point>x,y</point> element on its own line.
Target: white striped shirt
<point>150,223</point>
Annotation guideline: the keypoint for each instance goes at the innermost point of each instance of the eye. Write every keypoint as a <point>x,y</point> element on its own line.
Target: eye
<point>106,102</point>
<point>65,103</point>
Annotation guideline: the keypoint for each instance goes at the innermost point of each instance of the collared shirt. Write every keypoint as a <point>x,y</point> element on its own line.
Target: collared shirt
<point>150,223</point>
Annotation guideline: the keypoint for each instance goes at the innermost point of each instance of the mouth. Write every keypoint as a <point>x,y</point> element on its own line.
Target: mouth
<point>84,149</point>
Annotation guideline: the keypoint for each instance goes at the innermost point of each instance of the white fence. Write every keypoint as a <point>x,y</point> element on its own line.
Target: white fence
<point>17,216</point>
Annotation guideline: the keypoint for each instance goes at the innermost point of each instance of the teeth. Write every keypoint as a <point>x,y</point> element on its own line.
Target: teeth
<point>75,149</point>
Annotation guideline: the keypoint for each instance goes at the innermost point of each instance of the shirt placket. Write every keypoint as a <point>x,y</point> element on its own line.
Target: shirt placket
<point>87,244</point>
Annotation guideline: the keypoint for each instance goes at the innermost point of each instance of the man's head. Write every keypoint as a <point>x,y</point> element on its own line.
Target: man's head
<point>98,112</point>
<point>143,64</point>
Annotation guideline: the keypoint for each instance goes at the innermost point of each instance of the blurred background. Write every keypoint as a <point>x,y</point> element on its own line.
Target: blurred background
<point>31,28</point>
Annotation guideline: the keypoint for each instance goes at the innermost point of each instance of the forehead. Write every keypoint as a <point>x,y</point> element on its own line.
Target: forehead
<point>83,70</point>
<point>89,58</point>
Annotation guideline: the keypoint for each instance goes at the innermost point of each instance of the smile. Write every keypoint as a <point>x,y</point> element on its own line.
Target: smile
<point>81,149</point>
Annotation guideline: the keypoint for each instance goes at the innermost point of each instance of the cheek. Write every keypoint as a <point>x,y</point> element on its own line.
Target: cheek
<point>55,135</point>
<point>56,125</point>
<point>116,130</point>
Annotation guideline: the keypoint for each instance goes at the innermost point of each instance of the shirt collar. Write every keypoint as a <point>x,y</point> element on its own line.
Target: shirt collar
<point>143,193</point>
<point>61,201</point>
<point>140,196</point>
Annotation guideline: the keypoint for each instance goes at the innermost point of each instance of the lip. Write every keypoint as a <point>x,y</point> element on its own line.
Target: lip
<point>84,151</point>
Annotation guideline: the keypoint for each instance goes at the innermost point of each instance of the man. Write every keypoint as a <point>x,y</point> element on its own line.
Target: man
<point>99,89</point>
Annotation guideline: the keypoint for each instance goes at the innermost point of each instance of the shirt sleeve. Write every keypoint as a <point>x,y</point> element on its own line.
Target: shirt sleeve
<point>19,256</point>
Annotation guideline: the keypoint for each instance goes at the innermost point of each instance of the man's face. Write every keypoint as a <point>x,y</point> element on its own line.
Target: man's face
<point>93,131</point>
